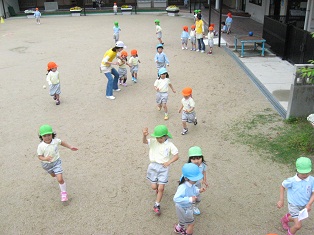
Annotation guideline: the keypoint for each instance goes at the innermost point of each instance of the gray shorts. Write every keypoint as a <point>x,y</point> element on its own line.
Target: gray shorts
<point>294,210</point>
<point>188,117</point>
<point>123,72</point>
<point>157,173</point>
<point>134,69</point>
<point>159,35</point>
<point>53,167</point>
<point>54,89</point>
<point>116,37</point>
<point>185,215</point>
<point>193,40</point>
<point>184,40</point>
<point>210,42</point>
<point>161,65</point>
<point>161,97</point>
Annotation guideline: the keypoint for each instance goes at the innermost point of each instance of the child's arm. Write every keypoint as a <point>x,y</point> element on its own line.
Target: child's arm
<point>172,160</point>
<point>205,179</point>
<point>181,108</point>
<point>280,203</point>
<point>43,158</point>
<point>170,85</point>
<point>145,134</point>
<point>309,204</point>
<point>190,110</point>
<point>64,144</point>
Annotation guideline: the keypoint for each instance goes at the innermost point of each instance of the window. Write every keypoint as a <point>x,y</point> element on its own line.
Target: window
<point>257,2</point>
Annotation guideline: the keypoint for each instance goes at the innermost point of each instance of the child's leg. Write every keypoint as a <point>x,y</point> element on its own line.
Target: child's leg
<point>189,229</point>
<point>184,125</point>
<point>164,105</point>
<point>161,188</point>
<point>60,178</point>
<point>297,225</point>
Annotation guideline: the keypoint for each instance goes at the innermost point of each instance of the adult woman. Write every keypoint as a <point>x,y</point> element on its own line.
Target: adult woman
<point>106,68</point>
<point>199,29</point>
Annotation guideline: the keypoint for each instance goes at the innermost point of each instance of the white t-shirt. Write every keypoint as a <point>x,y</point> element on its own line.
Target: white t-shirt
<point>162,84</point>
<point>51,149</point>
<point>160,153</point>
<point>53,77</point>
<point>188,103</point>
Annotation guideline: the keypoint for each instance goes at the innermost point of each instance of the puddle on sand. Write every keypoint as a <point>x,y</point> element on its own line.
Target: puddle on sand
<point>281,95</point>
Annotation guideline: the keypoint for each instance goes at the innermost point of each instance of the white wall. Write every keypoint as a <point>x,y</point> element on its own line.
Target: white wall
<point>13,3</point>
<point>257,12</point>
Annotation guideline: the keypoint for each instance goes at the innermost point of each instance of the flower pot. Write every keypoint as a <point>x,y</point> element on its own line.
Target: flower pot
<point>173,13</point>
<point>126,11</point>
<point>75,13</point>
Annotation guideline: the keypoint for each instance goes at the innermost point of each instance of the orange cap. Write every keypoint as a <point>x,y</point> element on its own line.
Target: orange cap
<point>51,65</point>
<point>213,25</point>
<point>124,53</point>
<point>186,28</point>
<point>210,28</point>
<point>134,52</point>
<point>193,26</point>
<point>187,91</point>
<point>229,14</point>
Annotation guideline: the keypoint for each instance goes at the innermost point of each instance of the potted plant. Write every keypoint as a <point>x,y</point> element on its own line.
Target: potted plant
<point>126,9</point>
<point>172,10</point>
<point>75,11</point>
<point>30,13</point>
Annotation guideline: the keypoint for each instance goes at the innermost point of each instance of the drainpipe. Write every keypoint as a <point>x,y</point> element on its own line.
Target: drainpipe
<point>307,16</point>
<point>5,16</point>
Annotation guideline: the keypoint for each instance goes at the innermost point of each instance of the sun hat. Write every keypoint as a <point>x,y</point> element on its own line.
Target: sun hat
<point>210,28</point>
<point>310,118</point>
<point>191,171</point>
<point>51,65</point>
<point>120,44</point>
<point>185,28</point>
<point>160,131</point>
<point>303,165</point>
<point>160,46</point>
<point>134,52</point>
<point>45,130</point>
<point>157,21</point>
<point>195,151</point>
<point>116,23</point>
<point>124,53</point>
<point>193,26</point>
<point>162,71</point>
<point>187,91</point>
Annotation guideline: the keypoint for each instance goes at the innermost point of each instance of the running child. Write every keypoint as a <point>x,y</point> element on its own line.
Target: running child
<point>161,58</point>
<point>48,154</point>
<point>116,31</point>
<point>300,194</point>
<point>188,109</point>
<point>161,86</point>
<point>229,22</point>
<point>123,72</point>
<point>210,37</point>
<point>185,37</point>
<point>186,195</point>
<point>158,31</point>
<point>37,16</point>
<point>53,80</point>
<point>223,27</point>
<point>160,151</point>
<point>193,38</point>
<point>133,62</point>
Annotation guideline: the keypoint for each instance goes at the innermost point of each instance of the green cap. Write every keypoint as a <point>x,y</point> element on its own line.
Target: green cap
<point>157,21</point>
<point>45,130</point>
<point>116,23</point>
<point>160,131</point>
<point>195,151</point>
<point>304,165</point>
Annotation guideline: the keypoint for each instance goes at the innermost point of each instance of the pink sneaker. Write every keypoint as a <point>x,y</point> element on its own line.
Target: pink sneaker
<point>64,196</point>
<point>178,229</point>
<point>284,221</point>
<point>124,84</point>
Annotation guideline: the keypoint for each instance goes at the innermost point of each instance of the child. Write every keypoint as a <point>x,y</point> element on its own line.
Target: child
<point>185,37</point>
<point>48,153</point>
<point>185,196</point>
<point>116,31</point>
<point>37,15</point>
<point>133,62</point>
<point>193,38</point>
<point>161,58</point>
<point>300,193</point>
<point>210,39</point>
<point>223,27</point>
<point>229,22</point>
<point>53,80</point>
<point>160,149</point>
<point>188,106</point>
<point>115,8</point>
<point>196,157</point>
<point>123,73</point>
<point>158,31</point>
<point>161,86</point>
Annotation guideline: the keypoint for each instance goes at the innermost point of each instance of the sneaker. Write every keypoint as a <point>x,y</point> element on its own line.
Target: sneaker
<point>202,51</point>
<point>166,117</point>
<point>64,196</point>
<point>117,89</point>
<point>182,48</point>
<point>195,121</point>
<point>157,209</point>
<point>54,97</point>
<point>120,83</point>
<point>186,48</point>
<point>158,108</point>
<point>178,229</point>
<point>196,211</point>
<point>184,131</point>
<point>110,97</point>
<point>284,222</point>
<point>124,84</point>
<point>135,80</point>
<point>192,49</point>
<point>197,50</point>
<point>58,102</point>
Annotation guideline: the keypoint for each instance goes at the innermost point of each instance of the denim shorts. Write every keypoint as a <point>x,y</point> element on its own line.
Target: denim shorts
<point>53,167</point>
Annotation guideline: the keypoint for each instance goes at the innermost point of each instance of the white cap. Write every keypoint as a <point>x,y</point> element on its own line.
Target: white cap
<point>120,44</point>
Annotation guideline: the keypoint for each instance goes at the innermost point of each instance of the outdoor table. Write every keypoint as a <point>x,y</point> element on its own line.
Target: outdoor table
<point>245,39</point>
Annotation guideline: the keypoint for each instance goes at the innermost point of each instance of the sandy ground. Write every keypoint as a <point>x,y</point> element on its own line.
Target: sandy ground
<point>108,191</point>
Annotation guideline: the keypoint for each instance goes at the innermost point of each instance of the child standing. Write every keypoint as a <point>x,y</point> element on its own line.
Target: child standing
<point>160,149</point>
<point>193,38</point>
<point>37,16</point>
<point>158,31</point>
<point>188,108</point>
<point>161,86</point>
<point>196,157</point>
<point>229,22</point>
<point>300,193</point>
<point>53,80</point>
<point>48,153</point>
<point>115,8</point>
<point>116,31</point>
<point>123,73</point>
<point>133,62</point>
<point>185,37</point>
<point>185,196</point>
<point>210,37</point>
<point>161,58</point>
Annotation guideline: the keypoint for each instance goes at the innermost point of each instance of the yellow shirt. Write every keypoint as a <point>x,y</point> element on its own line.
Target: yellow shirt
<point>160,153</point>
<point>108,57</point>
<point>199,27</point>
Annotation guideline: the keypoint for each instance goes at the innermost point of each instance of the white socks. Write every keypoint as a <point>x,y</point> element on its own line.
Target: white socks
<point>63,187</point>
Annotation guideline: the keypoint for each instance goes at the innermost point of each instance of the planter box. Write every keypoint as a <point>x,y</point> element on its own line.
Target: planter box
<point>30,16</point>
<point>173,13</point>
<point>75,13</point>
<point>126,11</point>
